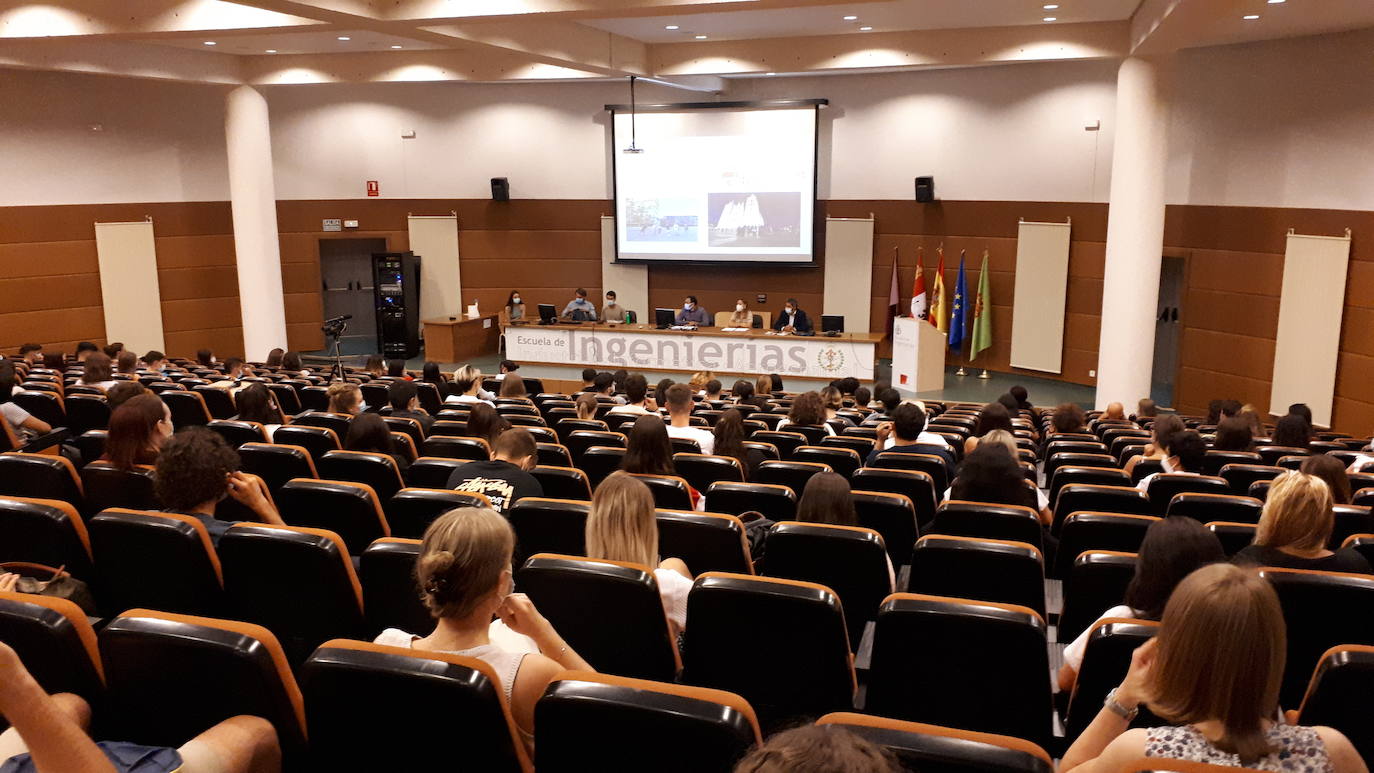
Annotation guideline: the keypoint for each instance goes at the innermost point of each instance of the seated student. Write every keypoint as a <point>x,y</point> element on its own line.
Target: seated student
<point>827,499</point>
<point>1173,548</point>
<point>637,400</point>
<point>612,311</point>
<point>197,469</point>
<point>905,432</point>
<point>513,387</point>
<point>992,474</point>
<point>618,378</point>
<point>464,575</point>
<point>711,391</point>
<point>235,369</point>
<point>484,422</point>
<point>506,367</point>
<point>603,386</point>
<point>862,398</point>
<point>154,361</point>
<point>764,387</point>
<point>375,366</point>
<point>741,316</point>
<point>680,419</point>
<point>85,349</point>
<point>743,392</point>
<point>404,397</point>
<point>1163,431</point>
<point>1186,453</point>
<point>514,310</point>
<point>621,527</point>
<point>97,371</point>
<point>256,403</point>
<point>138,429</point>
<point>1022,398</point>
<point>994,416</point>
<point>1213,673</point>
<point>1332,473</point>
<point>274,358</point>
<point>728,440</point>
<point>1292,431</point>
<point>1233,434</point>
<point>206,358</point>
<point>807,411</point>
<point>467,384</point>
<point>1252,418</point>
<point>291,365</point>
<point>832,401</point>
<point>1301,409</point>
<point>648,452</point>
<point>579,309</point>
<point>126,363</point>
<point>588,380</point>
<point>792,319</point>
<point>346,398</point>
<point>1295,528</point>
<point>430,374</point>
<point>776,380</point>
<point>368,432</point>
<point>505,479</point>
<point>49,733</point>
<point>1115,412</point>
<point>1145,409</point>
<point>120,393</point>
<point>112,351</point>
<point>21,421</point>
<point>698,381</point>
<point>691,313</point>
<point>396,368</point>
<point>818,749</point>
<point>661,392</point>
<point>31,353</point>
<point>1067,419</point>
<point>888,400</point>
<point>585,405</point>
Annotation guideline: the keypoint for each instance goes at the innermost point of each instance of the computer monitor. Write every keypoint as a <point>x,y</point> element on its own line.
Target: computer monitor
<point>832,323</point>
<point>663,318</point>
<point>548,314</point>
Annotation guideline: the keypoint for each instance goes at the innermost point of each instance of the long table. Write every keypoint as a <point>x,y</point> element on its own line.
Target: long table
<point>707,348</point>
<point>458,339</point>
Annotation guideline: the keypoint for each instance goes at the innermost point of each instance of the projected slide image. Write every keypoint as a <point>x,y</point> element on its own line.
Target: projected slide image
<point>754,219</point>
<point>661,220</point>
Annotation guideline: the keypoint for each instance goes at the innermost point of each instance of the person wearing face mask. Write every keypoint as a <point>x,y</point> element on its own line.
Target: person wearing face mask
<point>742,316</point>
<point>793,319</point>
<point>515,309</point>
<point>612,311</point>
<point>692,313</point>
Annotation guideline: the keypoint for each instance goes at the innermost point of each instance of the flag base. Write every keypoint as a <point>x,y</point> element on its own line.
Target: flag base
<point>984,374</point>
<point>960,371</point>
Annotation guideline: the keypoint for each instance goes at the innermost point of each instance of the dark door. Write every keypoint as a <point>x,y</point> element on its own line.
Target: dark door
<point>346,271</point>
<point>1168,329</point>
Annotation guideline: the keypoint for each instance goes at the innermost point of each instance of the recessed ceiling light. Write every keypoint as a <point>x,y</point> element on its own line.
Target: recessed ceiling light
<point>851,18</point>
<point>1051,18</point>
<point>271,51</point>
<point>209,42</point>
<point>344,37</point>
<point>395,46</point>
<point>865,29</point>
<point>671,27</point>
<point>1275,2</point>
<point>770,73</point>
<point>1250,16</point>
<point>1050,7</point>
<point>701,37</point>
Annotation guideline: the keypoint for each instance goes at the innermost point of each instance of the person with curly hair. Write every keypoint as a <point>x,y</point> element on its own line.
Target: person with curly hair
<point>196,469</point>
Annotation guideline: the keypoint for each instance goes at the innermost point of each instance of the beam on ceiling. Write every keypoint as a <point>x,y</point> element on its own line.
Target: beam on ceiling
<point>397,67</point>
<point>561,43</point>
<point>129,60</point>
<point>145,18</point>
<point>474,10</point>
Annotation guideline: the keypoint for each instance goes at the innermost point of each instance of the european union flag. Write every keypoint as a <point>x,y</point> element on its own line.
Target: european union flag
<point>956,315</point>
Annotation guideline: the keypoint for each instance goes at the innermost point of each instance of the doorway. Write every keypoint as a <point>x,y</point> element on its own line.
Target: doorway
<point>346,273</point>
<point>1168,330</point>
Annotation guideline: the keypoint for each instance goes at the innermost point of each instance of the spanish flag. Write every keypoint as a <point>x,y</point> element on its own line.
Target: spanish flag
<point>939,311</point>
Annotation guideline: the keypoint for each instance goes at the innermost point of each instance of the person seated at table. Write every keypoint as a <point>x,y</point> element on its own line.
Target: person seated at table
<point>514,310</point>
<point>691,313</point>
<point>741,316</point>
<point>579,309</point>
<point>792,319</point>
<point>637,400</point>
<point>612,311</point>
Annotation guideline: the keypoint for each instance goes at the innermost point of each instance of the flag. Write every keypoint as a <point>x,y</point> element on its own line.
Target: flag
<point>956,314</point>
<point>894,296</point>
<point>918,289</point>
<point>982,313</point>
<point>937,296</point>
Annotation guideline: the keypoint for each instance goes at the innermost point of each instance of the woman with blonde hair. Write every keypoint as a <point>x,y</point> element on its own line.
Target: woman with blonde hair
<point>1295,527</point>
<point>464,578</point>
<point>698,380</point>
<point>346,398</point>
<point>763,385</point>
<point>1213,672</point>
<point>621,527</point>
<point>467,387</point>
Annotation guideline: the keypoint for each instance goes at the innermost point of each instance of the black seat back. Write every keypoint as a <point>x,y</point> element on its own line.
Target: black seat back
<point>47,532</point>
<point>851,561</point>
<point>40,476</point>
<point>54,640</point>
<point>775,502</point>
<point>348,509</point>
<point>1086,531</point>
<point>317,441</point>
<point>156,560</point>
<point>236,433</point>
<point>1338,695</point>
<point>391,596</point>
<point>701,470</point>
<point>376,470</point>
<point>548,525</point>
<point>1095,582</point>
<point>411,510</point>
<point>563,482</point>
<point>984,569</point>
<point>1322,610</point>
<point>936,749</point>
<point>988,521</point>
<point>276,464</point>
<point>706,542</point>
<point>1106,660</point>
<point>108,486</point>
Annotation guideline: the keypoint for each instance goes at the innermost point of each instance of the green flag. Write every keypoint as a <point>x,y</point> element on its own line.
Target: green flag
<point>982,313</point>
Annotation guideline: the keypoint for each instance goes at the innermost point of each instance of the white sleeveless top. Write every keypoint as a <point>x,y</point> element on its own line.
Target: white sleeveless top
<point>506,664</point>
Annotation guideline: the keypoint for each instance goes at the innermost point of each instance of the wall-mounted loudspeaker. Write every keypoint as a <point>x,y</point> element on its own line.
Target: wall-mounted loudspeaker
<point>925,189</point>
<point>500,189</point>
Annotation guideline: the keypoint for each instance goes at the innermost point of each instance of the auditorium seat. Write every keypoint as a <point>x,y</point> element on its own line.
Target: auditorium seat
<point>670,492</point>
<point>598,462</point>
<point>1205,508</point>
<point>1348,520</point>
<point>1078,497</point>
<point>1166,485</point>
<point>1240,476</point>
<point>287,399</point>
<point>682,445</point>
<point>447,426</point>
<point>376,470</point>
<point>411,510</point>
<point>317,441</point>
<point>339,422</point>
<point>785,442</point>
<point>236,433</point>
<point>1322,610</point>
<point>804,667</point>
<point>843,461</point>
<point>436,690</point>
<point>769,451</point>
<point>701,470</point>
<point>630,721</point>
<point>188,408</point>
<point>157,560</point>
<point>773,501</point>
<point>1272,454</point>
<point>549,525</point>
<point>91,444</point>
<point>937,659</point>
<point>936,749</point>
<point>580,440</point>
<point>87,412</point>
<point>563,482</point>
<point>454,447</point>
<point>983,569</point>
<point>1096,476</point>
<point>565,427</point>
<point>405,424</point>
<point>1084,531</point>
<point>1338,695</point>
<point>1094,583</point>
<point>543,435</point>
<point>54,640</point>
<point>391,596</point>
<point>313,397</point>
<point>706,542</point>
<point>296,582</point>
<point>375,395</point>
<point>1362,544</point>
<point>851,561</point>
<point>931,465</point>
<point>1145,468</point>
<point>1067,459</point>
<point>860,445</point>
<point>1058,445</point>
<point>553,455</point>
<point>608,611</point>
<point>1106,659</point>
<point>919,487</point>
<point>217,401</point>
<point>45,531</point>
<point>108,486</point>
<point>1234,537</point>
<point>40,476</point>
<point>893,517</point>
<point>171,677</point>
<point>432,471</point>
<point>45,406</point>
<point>1214,460</point>
<point>405,446</point>
<point>276,464</point>
<point>350,510</point>
<point>987,521</point>
<point>792,474</point>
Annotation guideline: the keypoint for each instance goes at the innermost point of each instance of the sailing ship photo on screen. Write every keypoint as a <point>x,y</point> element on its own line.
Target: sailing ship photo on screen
<point>755,219</point>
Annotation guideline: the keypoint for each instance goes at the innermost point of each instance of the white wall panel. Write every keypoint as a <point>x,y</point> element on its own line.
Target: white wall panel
<point>1309,333</point>
<point>435,240</point>
<point>1037,312</point>
<point>128,284</point>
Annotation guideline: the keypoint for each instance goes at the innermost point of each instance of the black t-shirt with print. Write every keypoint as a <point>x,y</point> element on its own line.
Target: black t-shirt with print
<point>499,481</point>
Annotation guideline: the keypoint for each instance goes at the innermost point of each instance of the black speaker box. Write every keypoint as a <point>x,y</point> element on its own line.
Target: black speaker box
<point>925,189</point>
<point>500,189</point>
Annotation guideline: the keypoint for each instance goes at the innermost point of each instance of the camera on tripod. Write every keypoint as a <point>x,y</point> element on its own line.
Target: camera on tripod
<point>335,326</point>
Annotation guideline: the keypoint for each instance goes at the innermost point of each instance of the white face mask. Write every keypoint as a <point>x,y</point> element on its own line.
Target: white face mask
<point>739,307</point>
<point>791,310</point>
<point>516,299</point>
<point>687,306</point>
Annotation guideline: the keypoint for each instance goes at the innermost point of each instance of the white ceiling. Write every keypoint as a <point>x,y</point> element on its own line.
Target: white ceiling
<point>882,16</point>
<point>288,42</point>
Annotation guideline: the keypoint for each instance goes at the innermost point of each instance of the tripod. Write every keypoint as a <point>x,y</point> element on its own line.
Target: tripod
<point>336,330</point>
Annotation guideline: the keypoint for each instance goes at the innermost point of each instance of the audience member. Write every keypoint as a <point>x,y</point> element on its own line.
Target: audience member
<point>396,368</point>
<point>467,386</point>
<point>256,403</point>
<point>121,392</point>
<point>404,397</point>
<point>1163,431</point>
<point>274,358</point>
<point>31,353</point>
<point>21,421</point>
<point>513,387</point>
<point>291,365</point>
<point>994,416</point>
<point>1233,434</point>
<point>585,405</point>
<point>196,469</point>
<point>1292,431</point>
<point>698,381</point>
<point>346,398</point>
<point>1187,450</point>
<point>888,399</point>
<point>505,479</point>
<point>1067,419</point>
<point>375,366</point>
<point>1115,412</point>
<point>112,350</point>
<point>464,575</point>
<point>1003,438</point>
<point>97,371</point>
<point>763,386</point>
<point>680,419</point>
<point>712,390</point>
<point>154,361</point>
<point>807,411</point>
<point>618,379</point>
<point>138,429</point>
<point>603,386</point>
<point>1146,409</point>
<point>905,432</point>
<point>827,499</point>
<point>993,475</point>
<point>862,398</point>
<point>1295,529</point>
<point>1213,673</point>
<point>126,363</point>
<point>743,392</point>
<point>369,433</point>
<point>661,392</point>
<point>431,374</point>
<point>729,441</point>
<point>1172,549</point>
<point>206,358</point>
<point>484,422</point>
<point>648,450</point>
<point>637,401</point>
<point>589,379</point>
<point>85,349</point>
<point>818,749</point>
<point>1250,415</point>
<point>505,368</point>
<point>832,401</point>
<point>1022,397</point>
<point>1301,409</point>
<point>1332,473</point>
<point>621,527</point>
<point>1006,400</point>
<point>776,381</point>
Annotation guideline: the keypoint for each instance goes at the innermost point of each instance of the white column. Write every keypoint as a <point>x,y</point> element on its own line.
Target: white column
<point>253,200</point>
<point>1135,233</point>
